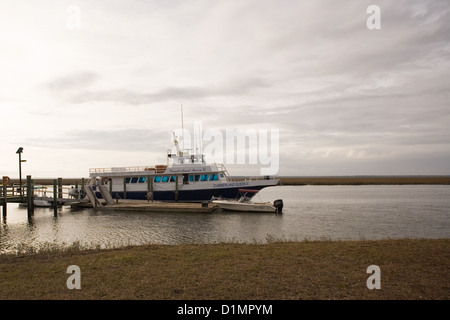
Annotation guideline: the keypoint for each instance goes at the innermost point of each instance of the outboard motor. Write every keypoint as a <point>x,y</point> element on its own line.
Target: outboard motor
<point>278,204</point>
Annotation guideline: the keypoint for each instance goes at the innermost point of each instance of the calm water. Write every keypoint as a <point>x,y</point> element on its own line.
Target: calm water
<point>310,212</point>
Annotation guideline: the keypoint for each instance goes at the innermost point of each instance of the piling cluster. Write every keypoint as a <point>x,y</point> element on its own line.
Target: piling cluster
<point>25,194</point>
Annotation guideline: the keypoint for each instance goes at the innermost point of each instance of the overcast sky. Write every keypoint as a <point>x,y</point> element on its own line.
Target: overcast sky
<point>87,84</point>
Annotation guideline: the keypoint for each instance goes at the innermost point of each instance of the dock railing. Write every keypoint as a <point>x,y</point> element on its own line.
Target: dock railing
<point>63,192</point>
<point>13,191</point>
<point>28,193</point>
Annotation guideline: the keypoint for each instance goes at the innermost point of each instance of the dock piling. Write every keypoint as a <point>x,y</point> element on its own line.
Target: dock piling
<point>77,192</point>
<point>149,188</point>
<point>176,189</point>
<point>151,184</point>
<point>60,192</point>
<point>30,197</point>
<point>4,203</point>
<point>55,198</point>
<point>5,209</point>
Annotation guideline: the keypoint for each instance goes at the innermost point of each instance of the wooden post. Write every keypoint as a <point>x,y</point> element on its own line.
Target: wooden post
<point>176,188</point>
<point>60,192</point>
<point>110,186</point>
<point>150,180</point>
<point>29,197</point>
<point>77,192</point>
<point>55,198</point>
<point>124,188</point>
<point>5,209</point>
<point>95,198</point>
<point>151,184</point>
<point>82,192</point>
<point>32,194</point>
<point>150,188</point>
<point>5,203</point>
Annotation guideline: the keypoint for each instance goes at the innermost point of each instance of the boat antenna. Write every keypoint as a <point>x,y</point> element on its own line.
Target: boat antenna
<point>182,124</point>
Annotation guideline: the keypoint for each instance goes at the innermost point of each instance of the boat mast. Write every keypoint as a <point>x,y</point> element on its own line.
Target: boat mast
<point>182,124</point>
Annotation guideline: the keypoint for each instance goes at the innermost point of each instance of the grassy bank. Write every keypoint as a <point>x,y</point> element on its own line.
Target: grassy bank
<point>410,269</point>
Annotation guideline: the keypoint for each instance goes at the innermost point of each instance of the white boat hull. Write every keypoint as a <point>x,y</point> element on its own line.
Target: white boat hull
<point>245,207</point>
<point>38,204</point>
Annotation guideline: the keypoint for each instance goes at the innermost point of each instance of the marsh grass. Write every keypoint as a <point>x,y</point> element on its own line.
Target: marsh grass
<point>361,180</point>
<point>319,180</point>
<point>410,269</point>
<point>23,249</point>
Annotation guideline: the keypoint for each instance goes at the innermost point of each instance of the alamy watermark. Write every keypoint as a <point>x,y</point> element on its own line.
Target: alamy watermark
<point>373,22</point>
<point>74,280</point>
<point>374,280</point>
<point>250,146</point>
<point>74,19</point>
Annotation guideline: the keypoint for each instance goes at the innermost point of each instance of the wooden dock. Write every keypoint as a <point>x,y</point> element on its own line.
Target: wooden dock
<point>158,206</point>
<point>29,194</point>
<point>107,203</point>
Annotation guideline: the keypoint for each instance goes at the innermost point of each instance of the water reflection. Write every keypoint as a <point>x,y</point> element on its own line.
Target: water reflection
<point>340,212</point>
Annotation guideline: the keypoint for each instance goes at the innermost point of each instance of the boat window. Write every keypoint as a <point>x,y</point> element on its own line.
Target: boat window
<point>221,175</point>
<point>204,177</point>
<point>142,179</point>
<point>134,179</point>
<point>173,178</point>
<point>213,177</point>
<point>127,180</point>
<point>165,179</point>
<point>197,177</point>
<point>191,178</point>
<point>158,179</point>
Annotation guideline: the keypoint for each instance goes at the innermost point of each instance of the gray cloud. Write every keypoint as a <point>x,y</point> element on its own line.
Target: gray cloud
<point>117,140</point>
<point>72,82</point>
<point>343,97</point>
<point>75,89</point>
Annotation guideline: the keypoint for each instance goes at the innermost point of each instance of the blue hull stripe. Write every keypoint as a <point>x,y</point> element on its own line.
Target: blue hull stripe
<point>183,195</point>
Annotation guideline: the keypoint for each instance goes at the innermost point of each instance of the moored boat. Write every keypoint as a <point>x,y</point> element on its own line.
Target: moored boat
<point>187,178</point>
<point>245,203</point>
<point>39,203</point>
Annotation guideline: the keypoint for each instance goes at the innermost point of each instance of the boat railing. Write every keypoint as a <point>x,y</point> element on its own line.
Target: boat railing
<point>221,167</point>
<point>94,171</point>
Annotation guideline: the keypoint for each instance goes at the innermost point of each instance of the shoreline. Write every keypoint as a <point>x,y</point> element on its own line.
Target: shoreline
<point>366,180</point>
<point>311,270</point>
